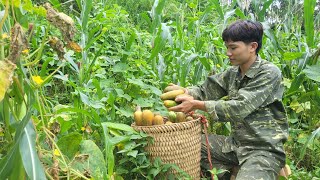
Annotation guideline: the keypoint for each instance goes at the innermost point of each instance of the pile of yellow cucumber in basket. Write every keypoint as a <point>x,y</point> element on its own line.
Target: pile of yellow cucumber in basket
<point>148,118</point>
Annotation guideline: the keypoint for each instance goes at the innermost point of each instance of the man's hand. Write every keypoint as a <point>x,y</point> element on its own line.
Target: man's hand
<point>187,104</point>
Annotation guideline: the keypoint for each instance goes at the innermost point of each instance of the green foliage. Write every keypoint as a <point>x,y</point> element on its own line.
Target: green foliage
<point>130,51</point>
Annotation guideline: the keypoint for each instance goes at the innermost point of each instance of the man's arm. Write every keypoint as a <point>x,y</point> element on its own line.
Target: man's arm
<point>214,87</point>
<point>250,97</point>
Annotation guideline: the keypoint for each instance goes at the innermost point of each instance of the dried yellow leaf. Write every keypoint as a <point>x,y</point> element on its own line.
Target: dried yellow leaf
<point>6,72</point>
<point>4,36</point>
<point>74,46</point>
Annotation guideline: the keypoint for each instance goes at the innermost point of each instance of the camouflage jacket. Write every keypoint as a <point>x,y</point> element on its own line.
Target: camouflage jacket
<point>251,104</point>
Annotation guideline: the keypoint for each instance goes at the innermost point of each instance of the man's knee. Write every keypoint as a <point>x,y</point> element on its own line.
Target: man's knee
<point>259,167</point>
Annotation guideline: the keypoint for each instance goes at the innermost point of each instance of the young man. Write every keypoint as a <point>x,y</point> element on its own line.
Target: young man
<point>248,95</point>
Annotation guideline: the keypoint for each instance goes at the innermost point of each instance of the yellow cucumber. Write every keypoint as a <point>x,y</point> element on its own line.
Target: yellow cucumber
<point>171,94</point>
<point>169,103</point>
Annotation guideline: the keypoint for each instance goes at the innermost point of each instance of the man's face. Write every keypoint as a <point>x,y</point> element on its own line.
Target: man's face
<point>239,53</point>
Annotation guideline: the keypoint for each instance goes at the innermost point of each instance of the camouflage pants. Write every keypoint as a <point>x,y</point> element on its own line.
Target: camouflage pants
<point>254,164</point>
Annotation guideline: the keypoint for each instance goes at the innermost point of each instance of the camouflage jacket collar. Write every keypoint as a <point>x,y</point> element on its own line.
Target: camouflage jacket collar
<point>254,68</point>
<point>252,71</point>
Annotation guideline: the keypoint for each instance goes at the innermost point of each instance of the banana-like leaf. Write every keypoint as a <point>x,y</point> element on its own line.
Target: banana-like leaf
<point>69,144</point>
<point>29,154</point>
<point>312,72</point>
<point>315,134</point>
<point>90,159</point>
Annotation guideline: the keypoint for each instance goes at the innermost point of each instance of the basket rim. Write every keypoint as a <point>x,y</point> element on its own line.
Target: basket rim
<point>172,124</point>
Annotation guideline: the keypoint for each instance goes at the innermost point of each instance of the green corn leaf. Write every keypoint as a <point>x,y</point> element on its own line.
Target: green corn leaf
<point>7,162</point>
<point>262,12</point>
<point>85,13</point>
<point>309,6</point>
<point>228,15</point>
<point>270,34</point>
<point>29,154</point>
<point>296,83</point>
<point>240,13</point>
<point>128,46</point>
<point>303,62</point>
<point>109,149</point>
<point>18,171</point>
<point>197,73</point>
<point>218,7</point>
<point>185,66</point>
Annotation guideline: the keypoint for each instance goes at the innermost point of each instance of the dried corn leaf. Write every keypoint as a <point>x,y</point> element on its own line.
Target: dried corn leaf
<point>6,72</point>
<point>57,45</point>
<point>18,43</point>
<point>61,21</point>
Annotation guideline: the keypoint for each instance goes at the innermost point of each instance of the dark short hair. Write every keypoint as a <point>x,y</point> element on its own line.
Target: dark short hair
<point>246,31</point>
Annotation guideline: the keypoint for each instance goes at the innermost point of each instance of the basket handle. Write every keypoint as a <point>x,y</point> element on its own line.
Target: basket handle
<point>204,122</point>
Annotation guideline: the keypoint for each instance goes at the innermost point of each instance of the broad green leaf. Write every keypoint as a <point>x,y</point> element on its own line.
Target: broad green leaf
<point>155,90</point>
<point>138,82</point>
<point>119,126</point>
<point>95,104</point>
<point>125,112</point>
<point>143,102</point>
<point>29,154</point>
<point>133,153</point>
<point>118,139</point>
<point>90,159</point>
<point>120,67</point>
<point>69,144</point>
<point>313,72</point>
<point>6,72</point>
<point>76,110</point>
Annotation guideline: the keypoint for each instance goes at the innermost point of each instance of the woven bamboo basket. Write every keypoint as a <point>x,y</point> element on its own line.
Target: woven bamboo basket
<point>177,143</point>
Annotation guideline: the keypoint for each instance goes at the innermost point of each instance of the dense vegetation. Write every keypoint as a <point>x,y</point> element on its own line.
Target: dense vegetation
<point>76,80</point>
